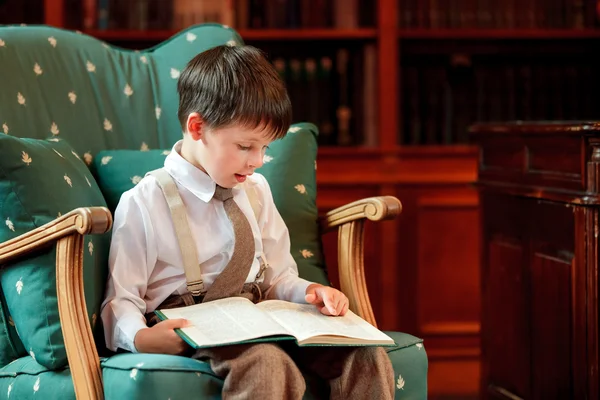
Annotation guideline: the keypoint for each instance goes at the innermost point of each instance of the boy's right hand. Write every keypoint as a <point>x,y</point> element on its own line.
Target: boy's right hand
<point>161,338</point>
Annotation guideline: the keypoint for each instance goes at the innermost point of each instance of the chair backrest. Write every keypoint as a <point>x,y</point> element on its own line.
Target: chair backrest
<point>97,97</point>
<point>101,98</point>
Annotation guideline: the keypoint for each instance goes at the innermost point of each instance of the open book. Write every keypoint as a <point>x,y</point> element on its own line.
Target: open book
<point>237,320</point>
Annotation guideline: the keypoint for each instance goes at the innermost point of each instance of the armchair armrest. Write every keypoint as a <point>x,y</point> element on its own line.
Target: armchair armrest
<point>349,220</point>
<point>67,231</point>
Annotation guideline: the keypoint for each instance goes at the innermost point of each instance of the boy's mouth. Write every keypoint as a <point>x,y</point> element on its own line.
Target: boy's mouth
<point>240,178</point>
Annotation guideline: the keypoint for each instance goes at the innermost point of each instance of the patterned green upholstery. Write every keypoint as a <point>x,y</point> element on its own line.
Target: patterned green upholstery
<point>97,98</point>
<point>39,181</point>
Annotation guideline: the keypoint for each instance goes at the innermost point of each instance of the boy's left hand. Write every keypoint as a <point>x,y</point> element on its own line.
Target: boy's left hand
<point>328,300</point>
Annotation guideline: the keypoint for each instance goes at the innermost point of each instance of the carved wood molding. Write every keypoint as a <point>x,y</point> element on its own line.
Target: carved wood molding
<point>349,220</point>
<point>91,220</point>
<point>373,208</point>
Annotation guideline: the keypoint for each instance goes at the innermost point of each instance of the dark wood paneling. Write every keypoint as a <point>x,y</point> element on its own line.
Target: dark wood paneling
<point>448,230</point>
<point>422,268</point>
<point>540,263</point>
<point>550,327</point>
<point>507,335</point>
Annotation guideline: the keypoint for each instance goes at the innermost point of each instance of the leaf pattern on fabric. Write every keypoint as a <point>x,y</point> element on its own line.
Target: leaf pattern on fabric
<point>9,224</point>
<point>21,99</point>
<point>300,188</point>
<point>133,373</point>
<point>52,41</point>
<point>68,180</point>
<point>37,69</point>
<point>306,253</point>
<point>400,382</point>
<point>54,129</point>
<point>72,97</point>
<point>128,90</point>
<point>25,157</point>
<point>5,128</point>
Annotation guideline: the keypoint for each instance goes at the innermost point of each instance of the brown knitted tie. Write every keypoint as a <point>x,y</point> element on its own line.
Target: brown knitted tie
<point>231,280</point>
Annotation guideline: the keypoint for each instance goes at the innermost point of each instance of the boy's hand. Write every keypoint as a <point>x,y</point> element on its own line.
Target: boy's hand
<point>161,338</point>
<point>328,300</point>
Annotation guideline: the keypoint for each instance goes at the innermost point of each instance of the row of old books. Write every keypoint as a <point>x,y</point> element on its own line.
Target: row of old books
<point>241,14</point>
<point>440,101</point>
<point>336,91</point>
<point>498,14</point>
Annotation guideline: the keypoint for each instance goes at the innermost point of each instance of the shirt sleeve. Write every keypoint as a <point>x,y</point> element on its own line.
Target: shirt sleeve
<point>285,282</point>
<point>131,261</point>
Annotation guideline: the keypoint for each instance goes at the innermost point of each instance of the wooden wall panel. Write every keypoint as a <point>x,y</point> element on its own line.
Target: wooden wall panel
<point>550,326</point>
<point>422,269</point>
<point>447,235</point>
<point>508,333</point>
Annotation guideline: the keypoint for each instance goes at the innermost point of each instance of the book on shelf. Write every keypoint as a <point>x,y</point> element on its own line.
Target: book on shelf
<point>236,320</point>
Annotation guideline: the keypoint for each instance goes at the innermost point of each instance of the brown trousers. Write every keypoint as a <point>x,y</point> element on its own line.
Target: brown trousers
<point>270,371</point>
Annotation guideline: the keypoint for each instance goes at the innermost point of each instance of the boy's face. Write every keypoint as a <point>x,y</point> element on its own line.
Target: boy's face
<point>228,155</point>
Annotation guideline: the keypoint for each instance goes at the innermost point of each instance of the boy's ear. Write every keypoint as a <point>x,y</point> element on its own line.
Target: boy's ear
<point>196,126</point>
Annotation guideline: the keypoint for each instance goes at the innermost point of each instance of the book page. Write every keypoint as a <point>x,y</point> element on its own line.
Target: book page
<point>305,321</point>
<point>223,321</point>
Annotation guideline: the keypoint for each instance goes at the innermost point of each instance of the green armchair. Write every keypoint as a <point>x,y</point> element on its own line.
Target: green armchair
<point>81,122</point>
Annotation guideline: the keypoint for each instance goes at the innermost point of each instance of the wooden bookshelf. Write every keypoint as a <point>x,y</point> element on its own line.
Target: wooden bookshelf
<point>499,34</point>
<point>274,35</point>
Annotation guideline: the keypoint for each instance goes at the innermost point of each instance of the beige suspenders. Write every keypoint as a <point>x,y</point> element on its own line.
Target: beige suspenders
<point>189,254</point>
<point>187,245</point>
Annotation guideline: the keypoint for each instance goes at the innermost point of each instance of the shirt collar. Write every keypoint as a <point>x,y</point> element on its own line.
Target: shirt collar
<point>189,176</point>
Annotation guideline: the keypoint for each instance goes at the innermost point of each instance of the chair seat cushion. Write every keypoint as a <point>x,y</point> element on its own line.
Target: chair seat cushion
<point>159,376</point>
<point>25,378</point>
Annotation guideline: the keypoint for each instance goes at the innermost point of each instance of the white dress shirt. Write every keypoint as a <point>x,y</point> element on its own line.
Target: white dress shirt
<point>146,263</point>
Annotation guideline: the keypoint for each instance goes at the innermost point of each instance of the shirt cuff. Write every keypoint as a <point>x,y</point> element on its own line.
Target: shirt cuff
<point>127,328</point>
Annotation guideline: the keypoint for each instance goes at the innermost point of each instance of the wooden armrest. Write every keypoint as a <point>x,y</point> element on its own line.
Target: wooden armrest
<point>349,220</point>
<point>372,208</point>
<point>92,220</point>
<point>67,231</point>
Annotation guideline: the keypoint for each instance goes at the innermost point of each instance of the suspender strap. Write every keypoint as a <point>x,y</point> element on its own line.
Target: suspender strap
<point>189,254</point>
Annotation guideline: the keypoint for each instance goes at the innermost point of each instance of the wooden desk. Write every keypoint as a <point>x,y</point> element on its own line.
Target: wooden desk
<point>540,195</point>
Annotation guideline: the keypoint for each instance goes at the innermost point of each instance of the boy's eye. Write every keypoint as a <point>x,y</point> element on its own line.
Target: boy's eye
<point>245,148</point>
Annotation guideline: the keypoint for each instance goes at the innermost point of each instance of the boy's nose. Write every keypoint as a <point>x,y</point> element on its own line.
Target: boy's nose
<point>257,161</point>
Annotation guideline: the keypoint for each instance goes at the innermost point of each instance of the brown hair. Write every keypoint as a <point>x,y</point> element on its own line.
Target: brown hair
<point>234,85</point>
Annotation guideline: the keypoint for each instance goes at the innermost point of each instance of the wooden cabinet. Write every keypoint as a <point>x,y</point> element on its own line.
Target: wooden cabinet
<point>540,198</point>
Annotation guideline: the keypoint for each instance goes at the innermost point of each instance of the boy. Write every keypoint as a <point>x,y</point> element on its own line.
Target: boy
<point>232,105</point>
